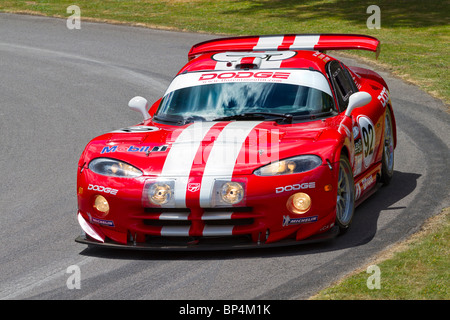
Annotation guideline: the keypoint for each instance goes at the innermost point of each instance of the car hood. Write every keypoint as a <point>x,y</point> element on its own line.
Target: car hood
<point>212,148</point>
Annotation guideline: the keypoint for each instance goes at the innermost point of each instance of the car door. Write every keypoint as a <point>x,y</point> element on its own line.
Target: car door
<point>365,129</point>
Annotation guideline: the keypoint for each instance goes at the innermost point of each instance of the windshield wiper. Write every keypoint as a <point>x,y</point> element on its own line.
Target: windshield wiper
<point>171,119</point>
<point>257,116</point>
<point>179,120</point>
<point>320,114</point>
<point>278,117</point>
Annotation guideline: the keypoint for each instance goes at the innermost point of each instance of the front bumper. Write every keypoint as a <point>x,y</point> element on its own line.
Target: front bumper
<point>264,222</point>
<point>207,244</point>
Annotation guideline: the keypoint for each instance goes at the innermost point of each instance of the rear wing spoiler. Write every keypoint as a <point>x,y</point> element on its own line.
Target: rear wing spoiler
<point>316,42</point>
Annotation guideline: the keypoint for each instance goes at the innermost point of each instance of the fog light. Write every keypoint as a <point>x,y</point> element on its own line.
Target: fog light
<point>232,192</point>
<point>299,203</point>
<point>101,204</point>
<point>160,193</point>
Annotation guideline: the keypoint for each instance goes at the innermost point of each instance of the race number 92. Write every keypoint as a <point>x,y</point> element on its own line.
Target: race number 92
<point>368,139</point>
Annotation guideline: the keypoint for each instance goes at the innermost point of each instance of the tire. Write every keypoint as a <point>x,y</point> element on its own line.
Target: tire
<point>345,202</point>
<point>387,167</point>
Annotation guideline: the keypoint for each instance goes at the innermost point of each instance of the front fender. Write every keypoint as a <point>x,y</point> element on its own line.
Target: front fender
<point>339,141</point>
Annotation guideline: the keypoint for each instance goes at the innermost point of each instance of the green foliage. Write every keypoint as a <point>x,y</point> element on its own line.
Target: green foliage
<point>420,272</point>
<point>414,33</point>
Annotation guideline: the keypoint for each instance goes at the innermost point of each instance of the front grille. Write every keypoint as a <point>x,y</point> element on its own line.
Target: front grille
<point>206,222</point>
<point>166,223</point>
<point>234,222</point>
<point>161,210</point>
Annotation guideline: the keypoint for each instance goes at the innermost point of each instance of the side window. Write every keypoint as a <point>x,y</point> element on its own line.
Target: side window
<point>342,82</point>
<point>350,78</point>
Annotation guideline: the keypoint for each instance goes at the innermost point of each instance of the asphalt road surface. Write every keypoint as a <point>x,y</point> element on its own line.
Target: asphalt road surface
<point>59,88</point>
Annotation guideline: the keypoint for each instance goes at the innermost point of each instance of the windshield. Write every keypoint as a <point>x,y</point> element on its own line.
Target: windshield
<point>215,95</point>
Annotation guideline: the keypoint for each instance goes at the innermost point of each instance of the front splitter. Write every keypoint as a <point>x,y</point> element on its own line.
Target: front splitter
<point>331,234</point>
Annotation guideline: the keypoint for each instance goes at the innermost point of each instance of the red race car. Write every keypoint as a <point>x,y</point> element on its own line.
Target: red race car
<point>258,141</point>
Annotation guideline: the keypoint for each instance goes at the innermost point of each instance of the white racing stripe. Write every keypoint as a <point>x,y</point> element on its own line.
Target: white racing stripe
<point>268,43</point>
<point>175,231</point>
<point>220,163</point>
<point>174,216</point>
<point>181,155</point>
<point>217,231</point>
<point>217,216</point>
<point>306,42</point>
<point>223,155</point>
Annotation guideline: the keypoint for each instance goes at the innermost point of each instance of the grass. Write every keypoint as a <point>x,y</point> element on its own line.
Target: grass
<point>418,269</point>
<point>414,33</point>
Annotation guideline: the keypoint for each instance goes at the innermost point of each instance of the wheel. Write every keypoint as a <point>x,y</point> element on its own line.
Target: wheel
<point>387,167</point>
<point>345,203</point>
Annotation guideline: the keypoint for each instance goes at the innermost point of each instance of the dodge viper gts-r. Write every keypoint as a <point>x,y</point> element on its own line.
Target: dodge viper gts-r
<point>258,141</point>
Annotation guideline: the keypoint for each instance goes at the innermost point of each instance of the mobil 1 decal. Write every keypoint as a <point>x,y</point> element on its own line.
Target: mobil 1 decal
<point>367,130</point>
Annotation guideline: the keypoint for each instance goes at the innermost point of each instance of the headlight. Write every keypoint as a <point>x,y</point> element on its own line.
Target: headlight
<point>226,192</point>
<point>114,168</point>
<point>158,193</point>
<point>232,192</point>
<point>290,166</point>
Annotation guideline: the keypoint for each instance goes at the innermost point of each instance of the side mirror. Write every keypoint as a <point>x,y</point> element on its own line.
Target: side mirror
<point>140,105</point>
<point>356,100</point>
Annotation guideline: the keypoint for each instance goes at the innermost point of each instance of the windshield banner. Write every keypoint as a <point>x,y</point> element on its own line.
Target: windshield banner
<point>307,78</point>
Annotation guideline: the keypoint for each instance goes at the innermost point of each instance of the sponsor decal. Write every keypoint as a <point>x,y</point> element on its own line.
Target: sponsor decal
<point>245,75</point>
<point>358,146</point>
<point>363,185</point>
<point>298,186</point>
<point>109,149</point>
<point>159,148</point>
<point>357,191</point>
<point>321,56</point>
<point>288,221</point>
<point>367,182</point>
<point>102,189</point>
<point>326,227</point>
<point>138,149</point>
<point>146,149</point>
<point>107,223</point>
<point>302,77</point>
<point>383,97</point>
<point>357,164</point>
<point>193,187</point>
